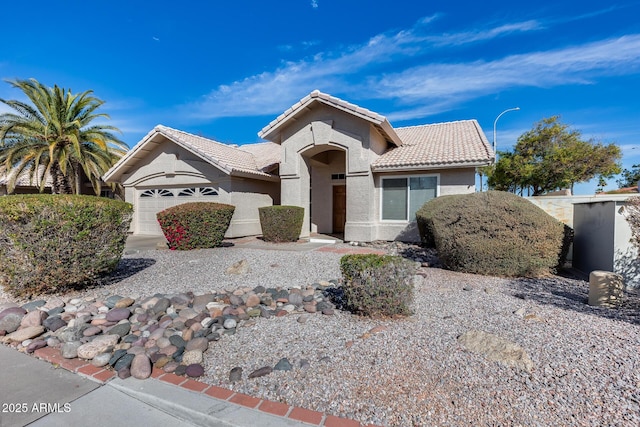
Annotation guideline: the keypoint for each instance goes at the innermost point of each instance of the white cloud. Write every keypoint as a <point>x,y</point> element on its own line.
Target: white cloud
<point>421,90</point>
<point>310,43</point>
<point>456,82</point>
<point>466,37</point>
<point>314,4</point>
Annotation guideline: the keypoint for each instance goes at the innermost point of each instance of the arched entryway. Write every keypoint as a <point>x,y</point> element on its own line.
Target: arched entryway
<point>326,166</point>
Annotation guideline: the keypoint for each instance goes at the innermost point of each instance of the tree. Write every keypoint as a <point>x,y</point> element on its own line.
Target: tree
<point>629,178</point>
<point>56,135</point>
<point>551,156</point>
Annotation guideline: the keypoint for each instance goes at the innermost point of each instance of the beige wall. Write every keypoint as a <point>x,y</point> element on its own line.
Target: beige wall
<point>450,181</point>
<point>626,261</point>
<point>561,207</point>
<point>310,136</point>
<point>247,195</point>
<point>309,143</point>
<point>170,166</point>
<point>378,144</point>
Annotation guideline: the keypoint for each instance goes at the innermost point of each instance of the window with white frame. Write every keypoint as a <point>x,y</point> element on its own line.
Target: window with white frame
<point>403,196</point>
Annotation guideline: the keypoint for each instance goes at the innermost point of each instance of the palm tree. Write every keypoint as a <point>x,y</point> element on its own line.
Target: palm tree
<point>54,136</point>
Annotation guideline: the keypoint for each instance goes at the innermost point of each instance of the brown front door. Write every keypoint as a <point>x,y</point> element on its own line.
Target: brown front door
<point>339,208</point>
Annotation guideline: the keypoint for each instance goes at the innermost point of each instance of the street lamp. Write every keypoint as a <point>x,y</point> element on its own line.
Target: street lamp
<point>495,142</point>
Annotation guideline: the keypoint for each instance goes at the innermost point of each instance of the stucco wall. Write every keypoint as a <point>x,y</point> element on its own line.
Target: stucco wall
<point>378,144</point>
<point>457,181</point>
<point>361,223</point>
<point>322,129</point>
<point>247,195</point>
<point>324,126</point>
<point>626,261</point>
<point>170,166</point>
<point>450,181</point>
<point>561,207</point>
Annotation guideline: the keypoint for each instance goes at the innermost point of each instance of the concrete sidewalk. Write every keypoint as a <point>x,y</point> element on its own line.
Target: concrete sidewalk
<point>37,393</point>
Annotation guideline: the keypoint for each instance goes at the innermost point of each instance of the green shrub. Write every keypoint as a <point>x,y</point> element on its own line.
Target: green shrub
<point>281,223</point>
<point>195,225</point>
<point>376,285</point>
<point>49,243</point>
<point>425,224</point>
<point>492,233</point>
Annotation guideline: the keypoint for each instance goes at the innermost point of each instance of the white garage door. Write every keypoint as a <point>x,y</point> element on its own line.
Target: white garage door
<point>153,200</point>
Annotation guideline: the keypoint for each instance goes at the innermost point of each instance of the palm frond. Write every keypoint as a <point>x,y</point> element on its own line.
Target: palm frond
<point>57,129</point>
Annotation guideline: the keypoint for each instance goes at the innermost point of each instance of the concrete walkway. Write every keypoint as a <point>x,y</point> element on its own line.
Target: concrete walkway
<point>139,243</point>
<point>39,393</point>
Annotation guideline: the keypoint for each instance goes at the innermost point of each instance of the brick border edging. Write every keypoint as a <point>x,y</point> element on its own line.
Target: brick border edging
<point>103,375</point>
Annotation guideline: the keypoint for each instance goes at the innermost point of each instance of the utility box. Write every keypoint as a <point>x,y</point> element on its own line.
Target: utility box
<point>602,240</point>
<point>605,289</point>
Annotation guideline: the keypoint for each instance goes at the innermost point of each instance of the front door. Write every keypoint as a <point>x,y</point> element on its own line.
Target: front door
<point>339,208</point>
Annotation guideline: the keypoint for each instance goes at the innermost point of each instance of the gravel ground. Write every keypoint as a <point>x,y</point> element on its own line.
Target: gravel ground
<point>414,372</point>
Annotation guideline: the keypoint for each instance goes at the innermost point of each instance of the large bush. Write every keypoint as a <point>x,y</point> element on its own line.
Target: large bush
<point>52,242</point>
<point>281,223</point>
<point>195,225</point>
<point>493,233</point>
<point>376,285</point>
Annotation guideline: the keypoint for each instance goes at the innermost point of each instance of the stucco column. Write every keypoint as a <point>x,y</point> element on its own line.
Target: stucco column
<point>360,225</point>
<point>295,192</point>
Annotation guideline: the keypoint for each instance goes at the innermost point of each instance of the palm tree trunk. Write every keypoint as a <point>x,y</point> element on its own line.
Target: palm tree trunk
<point>78,182</point>
<point>59,182</point>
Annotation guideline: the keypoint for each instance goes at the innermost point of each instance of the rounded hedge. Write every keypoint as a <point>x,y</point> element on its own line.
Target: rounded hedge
<point>281,223</point>
<point>377,285</point>
<point>52,242</point>
<point>492,233</point>
<point>195,225</point>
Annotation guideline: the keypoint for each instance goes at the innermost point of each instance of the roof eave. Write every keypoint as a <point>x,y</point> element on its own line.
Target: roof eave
<point>113,175</point>
<point>431,166</point>
<point>272,130</point>
<point>391,133</point>
<point>487,145</point>
<point>255,175</point>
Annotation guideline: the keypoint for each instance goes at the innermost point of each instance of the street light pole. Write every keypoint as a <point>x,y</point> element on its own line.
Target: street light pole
<point>495,142</point>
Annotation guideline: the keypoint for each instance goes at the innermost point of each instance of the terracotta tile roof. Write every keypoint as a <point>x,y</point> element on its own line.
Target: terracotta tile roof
<point>458,143</point>
<point>271,131</point>
<point>266,154</point>
<point>229,158</point>
<point>23,180</point>
<point>624,190</point>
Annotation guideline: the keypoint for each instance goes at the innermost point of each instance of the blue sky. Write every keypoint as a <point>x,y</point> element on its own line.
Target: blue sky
<point>225,69</point>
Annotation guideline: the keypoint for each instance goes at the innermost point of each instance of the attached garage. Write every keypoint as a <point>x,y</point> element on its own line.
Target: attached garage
<point>170,167</point>
<point>153,200</point>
